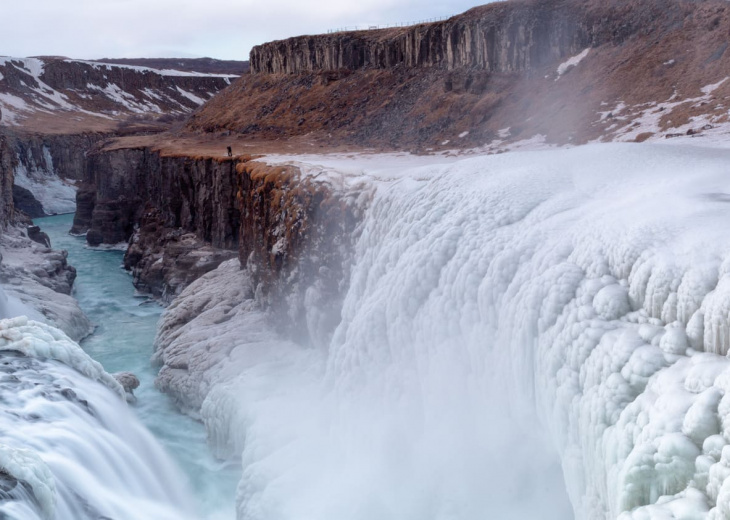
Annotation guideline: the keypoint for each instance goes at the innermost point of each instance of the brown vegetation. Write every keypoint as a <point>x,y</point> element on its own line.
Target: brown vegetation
<point>641,52</point>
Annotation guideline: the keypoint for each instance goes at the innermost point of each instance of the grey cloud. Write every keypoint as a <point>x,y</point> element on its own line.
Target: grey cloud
<point>224,29</point>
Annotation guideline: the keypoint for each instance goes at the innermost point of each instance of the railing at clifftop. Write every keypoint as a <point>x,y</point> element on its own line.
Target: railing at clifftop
<point>386,26</point>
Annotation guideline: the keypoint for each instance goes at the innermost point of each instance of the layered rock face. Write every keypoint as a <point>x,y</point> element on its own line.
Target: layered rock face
<point>64,155</point>
<point>77,75</point>
<point>186,215</point>
<point>6,182</point>
<point>164,259</point>
<point>38,92</point>
<point>295,241</point>
<point>504,37</point>
<point>562,71</point>
<point>196,194</point>
<point>185,209</point>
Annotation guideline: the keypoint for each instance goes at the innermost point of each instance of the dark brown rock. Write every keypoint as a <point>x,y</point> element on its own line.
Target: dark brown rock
<point>503,37</point>
<point>25,201</point>
<point>38,236</point>
<point>7,163</point>
<point>165,260</point>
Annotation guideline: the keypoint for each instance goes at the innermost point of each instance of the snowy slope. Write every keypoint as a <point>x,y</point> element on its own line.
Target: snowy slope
<point>30,86</point>
<point>501,309</point>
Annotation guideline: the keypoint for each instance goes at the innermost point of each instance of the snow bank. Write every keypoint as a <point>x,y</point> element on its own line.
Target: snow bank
<point>571,62</point>
<point>35,283</point>
<point>38,340</point>
<point>501,309</point>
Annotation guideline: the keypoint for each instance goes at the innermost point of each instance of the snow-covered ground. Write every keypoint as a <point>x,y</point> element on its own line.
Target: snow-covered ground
<point>503,312</point>
<point>35,284</point>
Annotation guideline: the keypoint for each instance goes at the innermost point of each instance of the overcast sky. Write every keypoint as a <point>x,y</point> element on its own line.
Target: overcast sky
<point>225,29</point>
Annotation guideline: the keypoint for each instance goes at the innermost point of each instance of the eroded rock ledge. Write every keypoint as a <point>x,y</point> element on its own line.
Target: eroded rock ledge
<point>295,251</point>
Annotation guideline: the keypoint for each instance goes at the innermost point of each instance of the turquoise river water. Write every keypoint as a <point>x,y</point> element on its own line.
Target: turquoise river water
<point>125,324</point>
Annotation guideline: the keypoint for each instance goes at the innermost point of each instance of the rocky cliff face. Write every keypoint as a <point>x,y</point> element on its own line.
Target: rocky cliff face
<point>559,71</point>
<point>196,194</point>
<point>503,37</point>
<point>296,239</point>
<point>80,75</point>
<point>6,182</point>
<point>185,210</point>
<point>46,168</point>
<point>186,215</point>
<point>65,155</point>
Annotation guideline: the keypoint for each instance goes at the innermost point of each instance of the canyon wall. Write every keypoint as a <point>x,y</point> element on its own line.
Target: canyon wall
<point>78,75</point>
<point>503,37</point>
<point>46,167</point>
<point>62,96</point>
<point>184,216</point>
<point>554,70</point>
<point>196,194</point>
<point>183,209</point>
<point>63,154</point>
<point>6,182</point>
<point>295,240</point>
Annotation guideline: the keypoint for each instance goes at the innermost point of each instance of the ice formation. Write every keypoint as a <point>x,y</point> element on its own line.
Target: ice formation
<point>56,195</point>
<point>34,284</point>
<point>70,449</point>
<point>502,310</point>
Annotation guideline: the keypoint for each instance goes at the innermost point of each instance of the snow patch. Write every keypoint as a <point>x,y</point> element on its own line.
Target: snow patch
<point>192,97</point>
<point>571,62</point>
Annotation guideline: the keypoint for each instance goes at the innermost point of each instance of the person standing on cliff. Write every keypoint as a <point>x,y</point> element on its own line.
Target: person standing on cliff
<point>230,151</point>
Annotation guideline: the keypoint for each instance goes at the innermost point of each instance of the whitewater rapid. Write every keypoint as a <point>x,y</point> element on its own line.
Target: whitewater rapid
<point>125,325</point>
<point>69,446</point>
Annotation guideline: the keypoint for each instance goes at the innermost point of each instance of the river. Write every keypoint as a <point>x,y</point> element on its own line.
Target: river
<point>125,324</point>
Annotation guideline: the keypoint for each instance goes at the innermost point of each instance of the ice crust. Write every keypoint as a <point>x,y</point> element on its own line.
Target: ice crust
<point>31,289</point>
<point>38,340</point>
<point>69,442</point>
<point>577,299</point>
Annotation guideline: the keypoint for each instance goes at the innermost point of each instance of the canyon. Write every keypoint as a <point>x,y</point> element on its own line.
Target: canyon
<point>394,257</point>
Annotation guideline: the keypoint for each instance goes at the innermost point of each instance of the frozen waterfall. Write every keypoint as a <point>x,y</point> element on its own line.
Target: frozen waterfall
<point>70,449</point>
<point>514,325</point>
